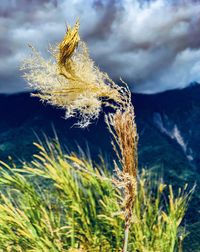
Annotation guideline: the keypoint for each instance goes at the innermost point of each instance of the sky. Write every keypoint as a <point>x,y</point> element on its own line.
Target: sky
<point>153,45</point>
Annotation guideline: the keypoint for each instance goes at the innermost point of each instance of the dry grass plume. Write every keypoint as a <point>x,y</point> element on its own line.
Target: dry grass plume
<point>71,80</point>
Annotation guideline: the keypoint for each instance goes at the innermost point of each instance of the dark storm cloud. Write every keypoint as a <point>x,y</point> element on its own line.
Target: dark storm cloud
<point>154,45</point>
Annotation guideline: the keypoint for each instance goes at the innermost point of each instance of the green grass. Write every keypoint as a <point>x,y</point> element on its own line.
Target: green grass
<point>62,202</point>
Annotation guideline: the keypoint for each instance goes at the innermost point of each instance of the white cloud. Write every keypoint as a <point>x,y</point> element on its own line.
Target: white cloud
<point>153,45</point>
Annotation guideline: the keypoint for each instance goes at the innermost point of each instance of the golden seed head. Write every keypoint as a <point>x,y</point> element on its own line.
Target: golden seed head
<point>68,44</point>
<point>71,80</point>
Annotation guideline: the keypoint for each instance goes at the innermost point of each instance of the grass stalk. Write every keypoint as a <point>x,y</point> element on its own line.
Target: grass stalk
<point>125,244</point>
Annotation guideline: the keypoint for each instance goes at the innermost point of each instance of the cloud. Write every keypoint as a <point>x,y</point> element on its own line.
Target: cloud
<point>153,45</point>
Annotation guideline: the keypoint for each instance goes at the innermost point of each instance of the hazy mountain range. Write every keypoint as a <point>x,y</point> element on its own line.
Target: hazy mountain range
<point>169,136</point>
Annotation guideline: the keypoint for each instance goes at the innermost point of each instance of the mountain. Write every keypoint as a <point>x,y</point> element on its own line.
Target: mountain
<point>169,134</point>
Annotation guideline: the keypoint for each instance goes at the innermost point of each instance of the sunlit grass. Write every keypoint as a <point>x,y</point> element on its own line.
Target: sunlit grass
<point>63,202</point>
